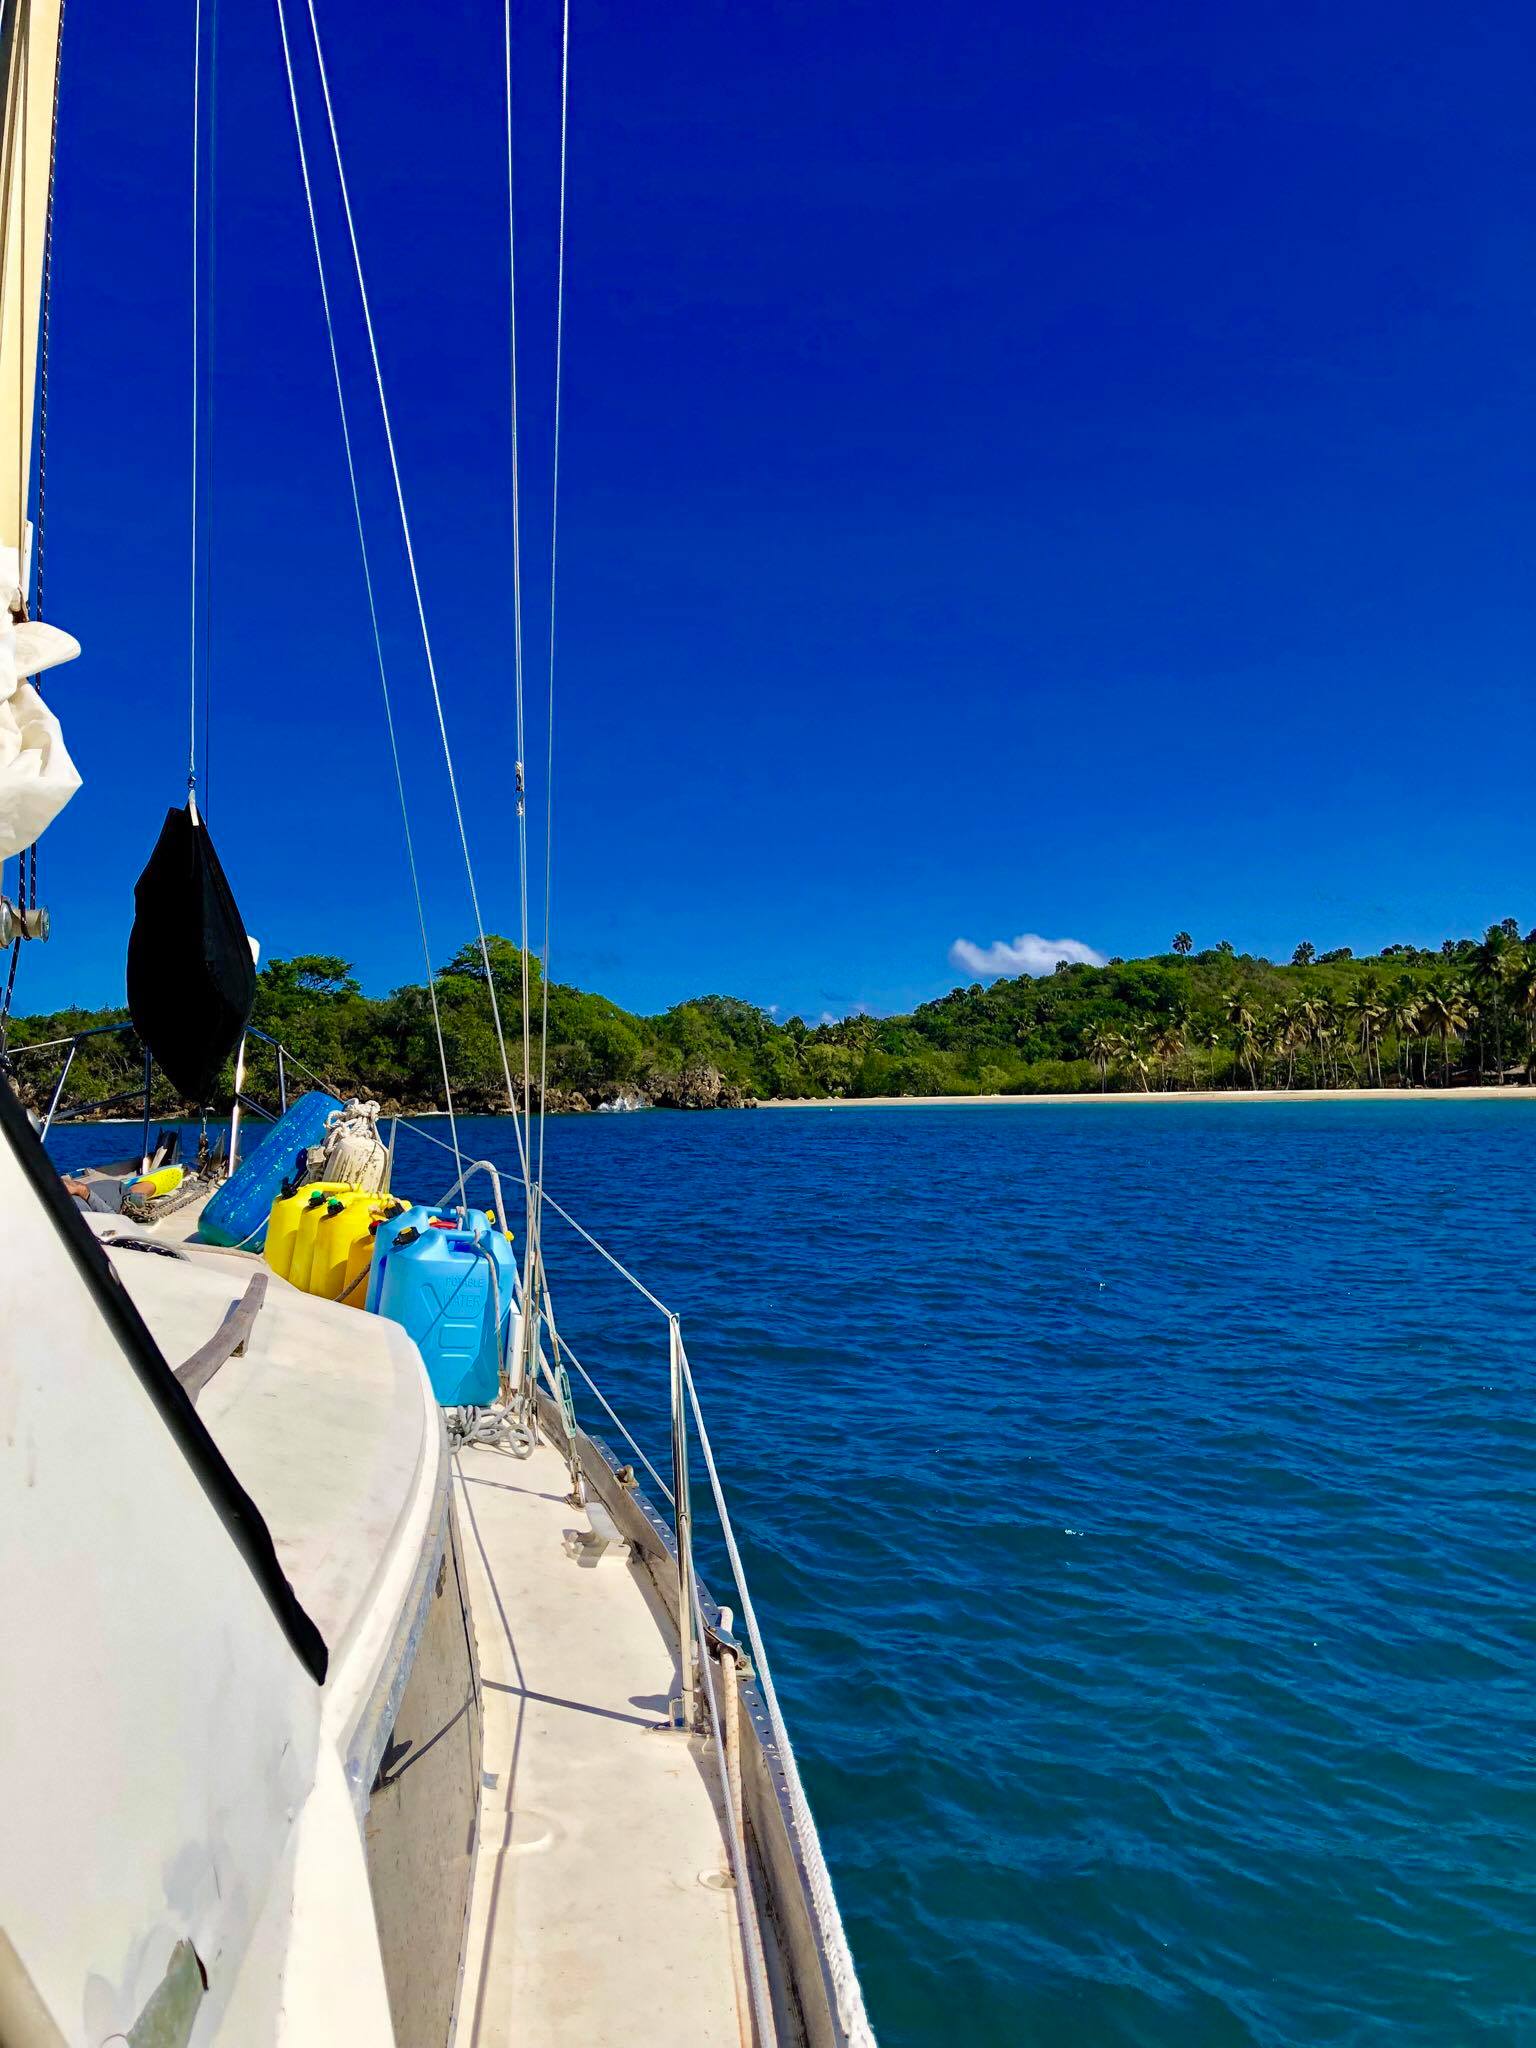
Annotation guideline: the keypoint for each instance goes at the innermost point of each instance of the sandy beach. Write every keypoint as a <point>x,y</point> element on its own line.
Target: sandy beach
<point>1509,1093</point>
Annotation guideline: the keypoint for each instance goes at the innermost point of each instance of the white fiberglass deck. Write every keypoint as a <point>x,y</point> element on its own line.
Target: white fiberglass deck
<point>602,1915</point>
<point>601,1912</point>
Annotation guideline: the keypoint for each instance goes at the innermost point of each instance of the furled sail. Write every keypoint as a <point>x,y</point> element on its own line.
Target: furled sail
<point>37,777</point>
<point>191,978</point>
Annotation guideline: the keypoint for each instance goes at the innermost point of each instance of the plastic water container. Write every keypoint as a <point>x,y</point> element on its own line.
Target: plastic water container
<point>343,1241</point>
<point>316,1200</point>
<point>448,1278</point>
<point>283,1223</point>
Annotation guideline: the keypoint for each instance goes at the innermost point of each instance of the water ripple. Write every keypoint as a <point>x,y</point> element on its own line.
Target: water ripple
<point>1142,1509</point>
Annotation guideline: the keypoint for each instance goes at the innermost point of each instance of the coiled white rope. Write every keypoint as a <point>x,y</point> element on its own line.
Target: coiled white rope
<point>497,1428</point>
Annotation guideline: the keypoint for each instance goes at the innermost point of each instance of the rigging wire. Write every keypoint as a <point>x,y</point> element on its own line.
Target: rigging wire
<point>23,110</point>
<point>373,612</point>
<point>209,395</point>
<point>517,594</point>
<point>197,126</point>
<point>554,535</point>
<point>410,556</point>
<point>46,328</point>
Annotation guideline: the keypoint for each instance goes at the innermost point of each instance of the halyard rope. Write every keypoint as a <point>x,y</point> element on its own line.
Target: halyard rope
<point>197,124</point>
<point>373,611</point>
<point>410,556</point>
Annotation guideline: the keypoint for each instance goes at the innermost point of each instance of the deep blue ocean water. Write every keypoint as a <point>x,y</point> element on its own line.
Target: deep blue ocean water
<point>1140,1499</point>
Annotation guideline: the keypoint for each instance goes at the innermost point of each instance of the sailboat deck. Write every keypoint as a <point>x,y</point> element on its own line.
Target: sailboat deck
<point>601,1912</point>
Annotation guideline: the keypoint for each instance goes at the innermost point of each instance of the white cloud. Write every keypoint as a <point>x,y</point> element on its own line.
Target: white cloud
<point>1027,954</point>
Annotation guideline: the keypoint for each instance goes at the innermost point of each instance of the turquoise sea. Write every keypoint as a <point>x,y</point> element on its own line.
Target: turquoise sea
<point>1141,1500</point>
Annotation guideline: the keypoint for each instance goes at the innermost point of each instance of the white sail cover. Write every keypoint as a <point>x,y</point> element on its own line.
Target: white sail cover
<point>37,777</point>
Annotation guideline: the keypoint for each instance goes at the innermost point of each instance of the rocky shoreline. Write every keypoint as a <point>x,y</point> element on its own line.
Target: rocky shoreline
<point>694,1087</point>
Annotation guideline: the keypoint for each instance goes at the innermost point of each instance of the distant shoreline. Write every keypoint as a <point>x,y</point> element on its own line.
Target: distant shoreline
<point>1511,1092</point>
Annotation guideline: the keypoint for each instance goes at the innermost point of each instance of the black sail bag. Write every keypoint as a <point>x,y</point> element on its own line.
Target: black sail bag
<point>191,979</point>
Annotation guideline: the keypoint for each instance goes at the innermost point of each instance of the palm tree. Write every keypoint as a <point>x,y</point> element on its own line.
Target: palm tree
<point>1306,1025</point>
<point>1135,1056</point>
<point>1522,996</point>
<point>1169,1047</point>
<point>1207,1036</point>
<point>1240,1024</point>
<point>1402,1020</point>
<point>1274,1039</point>
<point>1290,1033</point>
<point>1183,943</point>
<point>1102,1046</point>
<point>1444,1014</point>
<point>1492,962</point>
<point>1366,1008</point>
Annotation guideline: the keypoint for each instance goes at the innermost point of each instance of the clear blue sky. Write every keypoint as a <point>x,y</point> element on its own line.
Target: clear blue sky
<point>1023,471</point>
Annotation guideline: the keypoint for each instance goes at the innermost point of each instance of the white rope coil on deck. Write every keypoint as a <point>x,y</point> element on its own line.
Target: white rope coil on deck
<point>496,1428</point>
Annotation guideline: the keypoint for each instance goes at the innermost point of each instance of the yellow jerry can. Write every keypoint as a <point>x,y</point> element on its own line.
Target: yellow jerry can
<point>305,1238</point>
<point>283,1224</point>
<point>354,1286</point>
<point>344,1243</point>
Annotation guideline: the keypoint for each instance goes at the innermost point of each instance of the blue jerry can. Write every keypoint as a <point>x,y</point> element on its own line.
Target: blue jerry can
<point>432,1273</point>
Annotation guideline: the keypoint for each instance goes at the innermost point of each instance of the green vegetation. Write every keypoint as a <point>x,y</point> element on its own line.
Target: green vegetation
<point>1179,1020</point>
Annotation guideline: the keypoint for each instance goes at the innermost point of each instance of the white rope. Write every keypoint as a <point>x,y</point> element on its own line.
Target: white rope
<point>373,611</point>
<point>845,1983</point>
<point>410,556</point>
<point>495,1427</point>
<point>554,537</point>
<point>197,122</point>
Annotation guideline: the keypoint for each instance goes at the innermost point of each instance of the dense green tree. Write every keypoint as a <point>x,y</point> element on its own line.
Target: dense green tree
<point>1181,1019</point>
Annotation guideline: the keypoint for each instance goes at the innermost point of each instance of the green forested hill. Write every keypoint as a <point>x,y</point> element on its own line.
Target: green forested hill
<point>1183,1019</point>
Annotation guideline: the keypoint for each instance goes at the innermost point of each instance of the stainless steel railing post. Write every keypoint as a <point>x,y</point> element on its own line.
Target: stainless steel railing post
<point>684,1512</point>
<point>59,1089</point>
<point>234,1114</point>
<point>148,1077</point>
<point>282,1084</point>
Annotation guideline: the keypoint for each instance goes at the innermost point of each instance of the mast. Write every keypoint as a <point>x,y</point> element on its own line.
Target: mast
<point>29,56</point>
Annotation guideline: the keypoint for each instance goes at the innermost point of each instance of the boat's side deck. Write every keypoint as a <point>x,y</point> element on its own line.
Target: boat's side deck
<point>602,1912</point>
